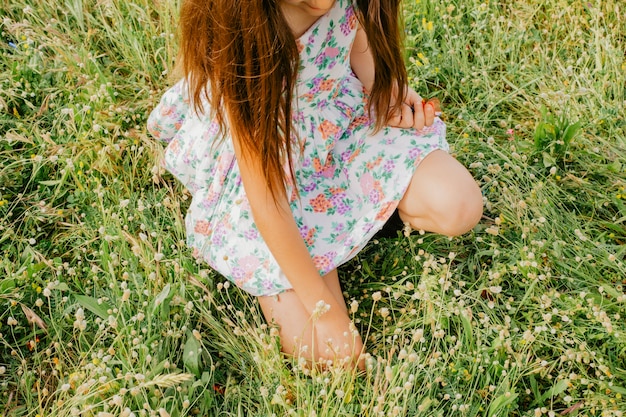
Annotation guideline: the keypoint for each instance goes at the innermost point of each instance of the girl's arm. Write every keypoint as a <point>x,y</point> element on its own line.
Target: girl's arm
<point>278,228</point>
<point>361,60</point>
<point>415,113</point>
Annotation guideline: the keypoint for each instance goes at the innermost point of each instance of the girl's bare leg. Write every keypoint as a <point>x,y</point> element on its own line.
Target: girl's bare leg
<point>294,322</point>
<point>442,197</point>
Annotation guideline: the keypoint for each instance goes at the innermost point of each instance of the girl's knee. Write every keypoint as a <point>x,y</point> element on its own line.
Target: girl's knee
<point>461,213</point>
<point>442,197</point>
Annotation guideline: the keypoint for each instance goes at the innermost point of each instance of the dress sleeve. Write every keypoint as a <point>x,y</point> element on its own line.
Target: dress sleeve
<point>169,115</point>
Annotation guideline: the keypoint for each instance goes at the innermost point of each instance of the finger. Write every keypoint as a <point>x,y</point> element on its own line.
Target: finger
<point>429,114</point>
<point>418,115</point>
<point>436,105</point>
<point>402,118</point>
<point>412,97</point>
<point>395,119</point>
<point>407,116</point>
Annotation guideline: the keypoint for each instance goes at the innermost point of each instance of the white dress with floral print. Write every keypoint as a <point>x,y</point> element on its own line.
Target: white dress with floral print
<point>349,181</point>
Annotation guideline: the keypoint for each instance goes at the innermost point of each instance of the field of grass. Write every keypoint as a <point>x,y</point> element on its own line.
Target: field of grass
<point>103,312</point>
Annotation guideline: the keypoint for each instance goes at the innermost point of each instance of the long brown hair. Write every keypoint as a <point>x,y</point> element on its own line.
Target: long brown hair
<point>242,57</point>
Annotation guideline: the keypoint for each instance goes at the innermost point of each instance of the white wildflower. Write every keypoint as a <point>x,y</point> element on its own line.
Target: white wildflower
<point>320,308</point>
<point>495,289</point>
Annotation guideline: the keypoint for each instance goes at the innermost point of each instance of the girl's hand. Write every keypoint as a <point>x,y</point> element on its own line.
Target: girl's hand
<point>415,112</point>
<point>337,339</point>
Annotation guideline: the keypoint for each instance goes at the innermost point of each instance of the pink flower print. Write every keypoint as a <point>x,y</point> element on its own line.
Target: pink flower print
<point>340,238</point>
<point>202,227</point>
<point>359,122</point>
<point>375,163</point>
<point>367,183</point>
<point>308,235</point>
<point>331,52</point>
<point>323,262</point>
<point>293,197</point>
<point>371,188</point>
<point>327,85</point>
<point>249,264</point>
<point>328,171</point>
<point>244,270</point>
<point>386,211</point>
<point>349,155</point>
<point>328,128</point>
<point>320,204</point>
<point>317,165</point>
<point>167,111</point>
<point>174,146</point>
<point>352,19</point>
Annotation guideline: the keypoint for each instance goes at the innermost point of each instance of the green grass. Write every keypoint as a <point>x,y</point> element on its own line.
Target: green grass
<point>103,312</point>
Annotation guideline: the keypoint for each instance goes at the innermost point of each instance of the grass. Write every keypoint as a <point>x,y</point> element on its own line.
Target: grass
<point>103,312</point>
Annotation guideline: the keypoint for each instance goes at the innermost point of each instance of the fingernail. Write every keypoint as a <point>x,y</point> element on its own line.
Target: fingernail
<point>436,105</point>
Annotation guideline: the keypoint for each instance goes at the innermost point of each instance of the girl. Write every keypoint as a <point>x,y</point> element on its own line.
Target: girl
<point>295,132</point>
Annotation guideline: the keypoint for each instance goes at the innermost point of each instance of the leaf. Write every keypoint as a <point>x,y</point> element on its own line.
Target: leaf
<point>548,160</point>
<point>570,132</point>
<point>35,268</point>
<point>91,304</point>
<point>425,405</point>
<point>50,182</point>
<point>191,357</point>
<point>555,390</point>
<point>162,295</point>
<point>162,302</point>
<point>6,285</point>
<point>500,403</point>
<point>615,167</point>
<point>468,335</point>
<point>618,389</point>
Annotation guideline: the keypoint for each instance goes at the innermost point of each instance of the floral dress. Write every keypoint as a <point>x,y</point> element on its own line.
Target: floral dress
<point>348,179</point>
